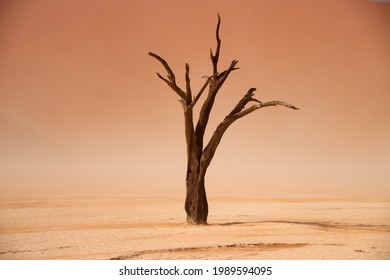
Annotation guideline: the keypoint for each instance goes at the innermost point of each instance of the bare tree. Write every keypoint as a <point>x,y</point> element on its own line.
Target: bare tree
<point>198,155</point>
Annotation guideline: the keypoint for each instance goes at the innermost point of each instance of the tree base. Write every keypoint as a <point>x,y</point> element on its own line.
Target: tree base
<point>197,221</point>
<point>196,205</point>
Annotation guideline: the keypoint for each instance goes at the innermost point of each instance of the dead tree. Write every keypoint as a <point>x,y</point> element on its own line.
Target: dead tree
<point>200,155</point>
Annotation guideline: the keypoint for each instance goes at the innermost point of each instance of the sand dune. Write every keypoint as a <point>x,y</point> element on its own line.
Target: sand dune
<point>154,228</point>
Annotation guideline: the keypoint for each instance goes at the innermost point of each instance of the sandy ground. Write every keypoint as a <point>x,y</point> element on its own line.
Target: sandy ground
<point>153,228</point>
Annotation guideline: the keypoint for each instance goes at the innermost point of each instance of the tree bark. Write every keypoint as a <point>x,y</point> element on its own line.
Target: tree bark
<point>196,204</point>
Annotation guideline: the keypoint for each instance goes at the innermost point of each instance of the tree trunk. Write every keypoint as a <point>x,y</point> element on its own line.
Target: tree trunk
<point>196,205</point>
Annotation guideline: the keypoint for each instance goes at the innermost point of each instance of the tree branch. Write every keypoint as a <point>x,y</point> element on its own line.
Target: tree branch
<point>173,86</point>
<point>171,76</point>
<point>238,111</point>
<point>171,81</point>
<point>214,58</point>
<point>241,104</point>
<point>216,83</point>
<point>262,105</point>
<point>201,91</point>
<point>209,150</point>
<point>278,103</point>
<point>221,77</point>
<point>188,85</point>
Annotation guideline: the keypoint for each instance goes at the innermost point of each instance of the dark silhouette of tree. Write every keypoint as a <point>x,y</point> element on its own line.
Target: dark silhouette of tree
<point>199,154</point>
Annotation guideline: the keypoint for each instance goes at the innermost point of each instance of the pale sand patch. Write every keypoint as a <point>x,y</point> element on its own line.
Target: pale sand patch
<point>154,228</point>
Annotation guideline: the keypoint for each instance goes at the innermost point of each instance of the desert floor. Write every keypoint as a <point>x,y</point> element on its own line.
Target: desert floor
<point>108,227</point>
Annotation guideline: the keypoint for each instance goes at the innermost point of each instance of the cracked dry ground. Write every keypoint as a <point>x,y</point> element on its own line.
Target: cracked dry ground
<point>247,228</point>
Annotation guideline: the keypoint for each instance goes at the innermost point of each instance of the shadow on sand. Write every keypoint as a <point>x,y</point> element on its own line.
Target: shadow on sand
<point>320,225</point>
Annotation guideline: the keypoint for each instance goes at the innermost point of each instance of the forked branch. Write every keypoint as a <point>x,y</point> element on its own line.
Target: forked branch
<point>171,81</point>
<point>214,58</point>
<point>171,76</point>
<point>238,111</point>
<point>215,83</point>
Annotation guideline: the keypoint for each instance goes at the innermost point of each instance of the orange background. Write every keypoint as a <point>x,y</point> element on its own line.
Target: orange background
<point>82,109</point>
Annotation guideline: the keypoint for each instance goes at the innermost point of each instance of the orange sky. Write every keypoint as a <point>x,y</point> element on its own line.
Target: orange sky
<point>80,103</point>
